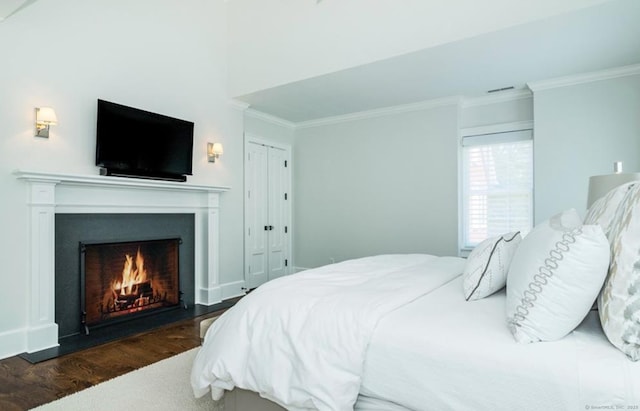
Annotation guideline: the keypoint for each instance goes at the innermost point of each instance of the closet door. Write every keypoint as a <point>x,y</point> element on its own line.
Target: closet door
<point>256,221</point>
<point>278,216</point>
<point>267,213</point>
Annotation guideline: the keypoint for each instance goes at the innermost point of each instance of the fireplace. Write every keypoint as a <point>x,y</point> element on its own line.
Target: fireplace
<point>125,280</point>
<point>54,195</point>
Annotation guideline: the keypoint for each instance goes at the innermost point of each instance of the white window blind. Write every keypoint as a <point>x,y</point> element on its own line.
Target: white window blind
<point>497,186</point>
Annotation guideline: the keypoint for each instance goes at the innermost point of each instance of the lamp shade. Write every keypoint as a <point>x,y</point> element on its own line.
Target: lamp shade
<point>46,115</point>
<point>217,148</point>
<point>601,185</point>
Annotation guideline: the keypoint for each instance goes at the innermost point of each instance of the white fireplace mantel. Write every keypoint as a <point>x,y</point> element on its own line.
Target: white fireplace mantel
<point>51,193</point>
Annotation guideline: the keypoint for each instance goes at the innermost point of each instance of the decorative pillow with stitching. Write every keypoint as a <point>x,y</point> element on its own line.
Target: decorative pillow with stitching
<point>619,301</point>
<point>554,278</point>
<point>487,266</point>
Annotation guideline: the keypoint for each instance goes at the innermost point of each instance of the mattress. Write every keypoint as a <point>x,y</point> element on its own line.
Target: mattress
<point>449,354</point>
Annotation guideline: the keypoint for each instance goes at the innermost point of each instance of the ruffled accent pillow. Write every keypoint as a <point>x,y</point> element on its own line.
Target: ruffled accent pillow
<point>554,278</point>
<point>487,266</point>
<point>619,301</point>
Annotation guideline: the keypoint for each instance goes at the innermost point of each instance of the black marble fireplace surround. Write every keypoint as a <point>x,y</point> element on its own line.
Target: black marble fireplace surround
<point>73,229</point>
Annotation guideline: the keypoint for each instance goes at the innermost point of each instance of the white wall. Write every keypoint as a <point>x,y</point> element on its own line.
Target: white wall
<point>229,170</point>
<point>277,42</point>
<point>386,184</point>
<point>353,199</point>
<point>580,130</point>
<point>160,55</point>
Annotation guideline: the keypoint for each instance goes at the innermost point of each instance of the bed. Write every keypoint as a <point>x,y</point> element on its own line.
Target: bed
<point>397,332</point>
<point>434,351</point>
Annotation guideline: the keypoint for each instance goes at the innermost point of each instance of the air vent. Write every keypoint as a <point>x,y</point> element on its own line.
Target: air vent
<point>496,90</point>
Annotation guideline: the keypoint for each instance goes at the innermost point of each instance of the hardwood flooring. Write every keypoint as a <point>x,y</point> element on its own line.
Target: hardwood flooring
<point>24,385</point>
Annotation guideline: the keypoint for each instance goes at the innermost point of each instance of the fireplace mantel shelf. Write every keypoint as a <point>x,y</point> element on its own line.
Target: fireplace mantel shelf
<point>97,180</point>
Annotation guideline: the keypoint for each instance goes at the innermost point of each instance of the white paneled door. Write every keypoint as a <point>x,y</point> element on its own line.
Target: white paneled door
<point>267,212</point>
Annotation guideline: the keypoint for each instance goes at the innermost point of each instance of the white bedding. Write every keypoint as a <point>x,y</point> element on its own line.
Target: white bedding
<point>301,340</point>
<point>449,354</point>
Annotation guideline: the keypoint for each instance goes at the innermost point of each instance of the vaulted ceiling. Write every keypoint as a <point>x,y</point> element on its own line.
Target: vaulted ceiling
<point>593,38</point>
<point>9,7</point>
<point>590,39</point>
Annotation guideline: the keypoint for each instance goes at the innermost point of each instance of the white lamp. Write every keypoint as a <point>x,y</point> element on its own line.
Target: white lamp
<point>601,185</point>
<point>45,117</point>
<point>214,151</point>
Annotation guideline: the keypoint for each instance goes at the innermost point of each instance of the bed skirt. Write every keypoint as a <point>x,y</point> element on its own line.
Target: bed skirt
<point>244,400</point>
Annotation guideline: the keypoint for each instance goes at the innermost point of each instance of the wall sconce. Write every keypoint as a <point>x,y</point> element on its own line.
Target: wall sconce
<point>45,117</point>
<point>214,151</point>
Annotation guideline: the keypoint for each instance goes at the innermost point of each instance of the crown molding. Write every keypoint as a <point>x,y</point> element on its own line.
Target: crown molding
<point>501,97</point>
<point>238,105</point>
<point>576,79</point>
<point>360,115</point>
<point>269,118</point>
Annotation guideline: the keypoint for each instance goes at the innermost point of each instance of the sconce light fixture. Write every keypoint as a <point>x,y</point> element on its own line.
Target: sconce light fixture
<point>214,151</point>
<point>45,117</point>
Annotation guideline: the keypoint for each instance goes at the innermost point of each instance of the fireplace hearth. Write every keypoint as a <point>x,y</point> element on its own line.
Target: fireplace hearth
<point>128,279</point>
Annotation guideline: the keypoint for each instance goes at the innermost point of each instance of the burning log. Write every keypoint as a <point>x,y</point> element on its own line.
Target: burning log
<point>138,294</point>
<point>136,285</point>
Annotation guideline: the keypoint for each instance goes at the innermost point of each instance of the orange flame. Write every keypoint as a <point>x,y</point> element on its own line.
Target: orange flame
<point>132,274</point>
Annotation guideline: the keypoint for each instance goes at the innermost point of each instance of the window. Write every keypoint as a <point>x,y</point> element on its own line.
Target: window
<point>497,185</point>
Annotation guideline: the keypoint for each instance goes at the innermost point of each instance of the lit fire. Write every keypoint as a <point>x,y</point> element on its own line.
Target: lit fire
<point>135,289</point>
<point>130,278</point>
<point>131,275</point>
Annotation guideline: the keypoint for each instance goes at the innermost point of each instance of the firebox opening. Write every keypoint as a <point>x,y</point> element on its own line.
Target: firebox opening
<point>124,280</point>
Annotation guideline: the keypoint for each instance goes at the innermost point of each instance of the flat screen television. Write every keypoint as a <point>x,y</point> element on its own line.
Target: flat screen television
<point>136,143</point>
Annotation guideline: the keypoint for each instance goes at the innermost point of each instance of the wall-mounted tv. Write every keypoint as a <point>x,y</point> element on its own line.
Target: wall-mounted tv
<point>136,143</point>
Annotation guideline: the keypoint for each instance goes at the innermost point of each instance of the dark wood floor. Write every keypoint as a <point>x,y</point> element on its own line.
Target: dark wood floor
<point>24,385</point>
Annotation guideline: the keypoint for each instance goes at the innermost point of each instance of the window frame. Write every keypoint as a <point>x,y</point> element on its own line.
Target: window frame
<point>487,134</point>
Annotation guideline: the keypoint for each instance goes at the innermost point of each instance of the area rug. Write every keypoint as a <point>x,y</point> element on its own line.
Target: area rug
<point>162,386</point>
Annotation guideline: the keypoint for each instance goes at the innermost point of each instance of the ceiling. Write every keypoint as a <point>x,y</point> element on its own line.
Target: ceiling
<point>9,7</point>
<point>591,39</point>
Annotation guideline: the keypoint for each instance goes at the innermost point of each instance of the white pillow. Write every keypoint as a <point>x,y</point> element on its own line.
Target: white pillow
<point>603,210</point>
<point>487,266</point>
<point>554,278</point>
<point>619,302</point>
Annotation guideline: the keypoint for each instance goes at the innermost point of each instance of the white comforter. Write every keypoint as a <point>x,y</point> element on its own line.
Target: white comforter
<point>465,358</point>
<point>301,340</point>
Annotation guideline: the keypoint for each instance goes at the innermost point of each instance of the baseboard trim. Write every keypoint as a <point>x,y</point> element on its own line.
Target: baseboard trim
<point>13,342</point>
<point>233,289</point>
